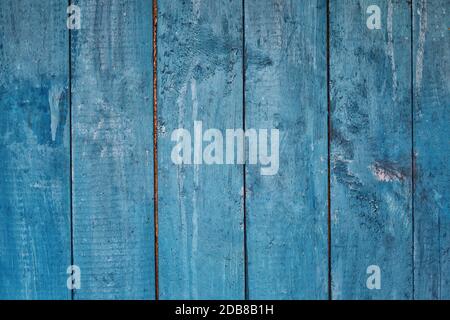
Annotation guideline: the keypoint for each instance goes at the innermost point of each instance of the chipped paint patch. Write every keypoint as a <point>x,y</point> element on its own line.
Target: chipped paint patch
<point>386,173</point>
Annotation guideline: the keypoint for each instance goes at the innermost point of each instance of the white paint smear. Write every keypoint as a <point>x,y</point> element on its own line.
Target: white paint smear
<point>54,96</point>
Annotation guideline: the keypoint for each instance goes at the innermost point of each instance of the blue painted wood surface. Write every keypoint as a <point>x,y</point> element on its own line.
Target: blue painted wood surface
<point>113,150</point>
<point>34,150</point>
<point>79,105</point>
<point>286,89</point>
<point>201,247</point>
<point>432,149</point>
<point>371,191</point>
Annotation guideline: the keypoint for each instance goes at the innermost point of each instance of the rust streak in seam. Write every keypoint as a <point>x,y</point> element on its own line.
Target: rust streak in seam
<point>155,143</point>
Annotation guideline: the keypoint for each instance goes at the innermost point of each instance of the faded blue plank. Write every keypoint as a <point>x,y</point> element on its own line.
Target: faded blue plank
<point>34,150</point>
<point>432,149</point>
<point>371,149</point>
<point>286,89</point>
<point>112,150</point>
<point>201,247</point>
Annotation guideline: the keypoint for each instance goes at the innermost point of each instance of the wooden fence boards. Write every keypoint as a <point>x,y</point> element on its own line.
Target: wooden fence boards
<point>362,176</point>
<point>34,150</point>
<point>201,247</point>
<point>286,89</point>
<point>113,229</point>
<point>432,149</point>
<point>371,190</point>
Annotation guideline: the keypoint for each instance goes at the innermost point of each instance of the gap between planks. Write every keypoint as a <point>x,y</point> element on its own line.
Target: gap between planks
<point>155,141</point>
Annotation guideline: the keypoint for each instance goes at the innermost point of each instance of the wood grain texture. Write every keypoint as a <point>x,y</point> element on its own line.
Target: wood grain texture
<point>432,149</point>
<point>34,150</point>
<point>201,247</point>
<point>285,46</point>
<point>371,190</point>
<point>225,230</point>
<point>112,150</point>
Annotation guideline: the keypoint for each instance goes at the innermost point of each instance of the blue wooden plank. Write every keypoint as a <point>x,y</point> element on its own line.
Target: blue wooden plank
<point>34,150</point>
<point>371,190</point>
<point>431,149</point>
<point>201,247</point>
<point>112,97</point>
<point>285,45</point>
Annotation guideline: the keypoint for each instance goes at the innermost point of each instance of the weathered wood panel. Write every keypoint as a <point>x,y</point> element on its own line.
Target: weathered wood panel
<point>225,231</point>
<point>431,149</point>
<point>34,150</point>
<point>113,150</point>
<point>285,46</point>
<point>371,192</point>
<point>201,247</point>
